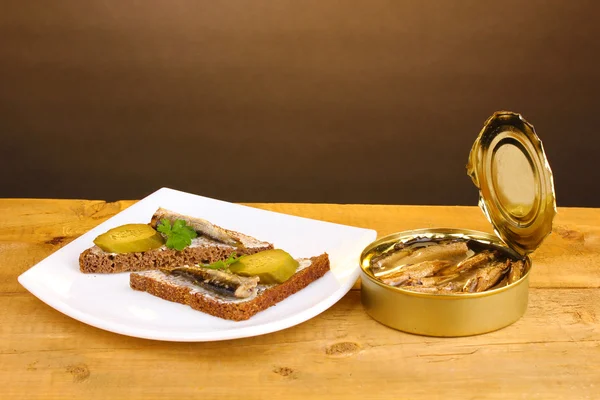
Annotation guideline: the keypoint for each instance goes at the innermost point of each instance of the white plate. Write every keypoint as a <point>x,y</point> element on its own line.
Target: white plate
<point>107,302</point>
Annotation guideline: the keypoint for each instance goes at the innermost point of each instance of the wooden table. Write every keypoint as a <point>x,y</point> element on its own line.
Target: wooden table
<point>553,352</point>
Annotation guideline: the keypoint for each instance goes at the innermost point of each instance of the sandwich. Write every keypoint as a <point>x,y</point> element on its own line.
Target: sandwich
<point>140,247</point>
<point>225,294</point>
<point>191,261</point>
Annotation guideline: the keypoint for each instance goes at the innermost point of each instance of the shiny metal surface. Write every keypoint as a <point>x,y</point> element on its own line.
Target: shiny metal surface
<point>516,187</point>
<point>441,315</point>
<point>508,165</point>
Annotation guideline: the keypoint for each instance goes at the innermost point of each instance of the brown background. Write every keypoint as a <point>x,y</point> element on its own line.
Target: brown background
<point>304,101</point>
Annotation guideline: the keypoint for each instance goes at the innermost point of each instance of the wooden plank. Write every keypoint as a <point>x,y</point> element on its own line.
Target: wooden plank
<point>58,221</point>
<point>553,352</point>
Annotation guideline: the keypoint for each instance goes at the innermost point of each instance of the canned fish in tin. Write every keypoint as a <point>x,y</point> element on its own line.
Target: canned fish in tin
<point>458,282</point>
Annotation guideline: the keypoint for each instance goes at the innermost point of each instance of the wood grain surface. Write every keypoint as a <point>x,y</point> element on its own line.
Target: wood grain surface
<point>553,352</point>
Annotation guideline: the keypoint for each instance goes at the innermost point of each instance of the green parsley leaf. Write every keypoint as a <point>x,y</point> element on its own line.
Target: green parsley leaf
<point>222,264</point>
<point>179,235</point>
<point>164,226</point>
<point>178,224</point>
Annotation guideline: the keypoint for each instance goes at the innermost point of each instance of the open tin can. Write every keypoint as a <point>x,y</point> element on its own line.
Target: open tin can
<point>508,165</point>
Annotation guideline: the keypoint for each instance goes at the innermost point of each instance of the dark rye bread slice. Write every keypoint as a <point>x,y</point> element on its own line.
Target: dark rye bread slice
<point>176,289</point>
<point>203,250</point>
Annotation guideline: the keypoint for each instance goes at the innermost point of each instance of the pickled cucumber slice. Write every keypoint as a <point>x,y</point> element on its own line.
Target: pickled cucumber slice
<point>271,266</point>
<point>130,238</point>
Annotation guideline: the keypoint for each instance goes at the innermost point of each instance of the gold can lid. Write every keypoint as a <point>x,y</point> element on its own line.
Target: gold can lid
<point>516,189</point>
